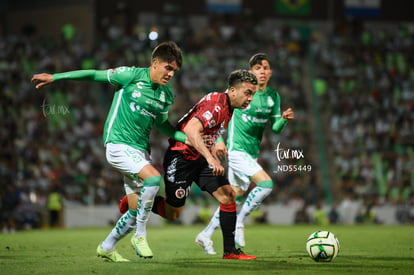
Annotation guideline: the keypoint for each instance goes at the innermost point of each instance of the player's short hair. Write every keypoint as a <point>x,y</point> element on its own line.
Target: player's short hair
<point>240,76</point>
<point>168,52</point>
<point>257,59</point>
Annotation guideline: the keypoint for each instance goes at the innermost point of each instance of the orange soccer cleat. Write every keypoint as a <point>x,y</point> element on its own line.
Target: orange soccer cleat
<point>238,255</point>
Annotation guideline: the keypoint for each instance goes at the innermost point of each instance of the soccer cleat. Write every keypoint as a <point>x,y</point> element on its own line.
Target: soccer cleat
<point>206,243</point>
<point>141,247</point>
<point>239,236</point>
<point>238,255</point>
<point>112,256</point>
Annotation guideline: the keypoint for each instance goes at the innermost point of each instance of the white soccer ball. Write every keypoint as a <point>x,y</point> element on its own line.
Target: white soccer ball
<point>322,246</point>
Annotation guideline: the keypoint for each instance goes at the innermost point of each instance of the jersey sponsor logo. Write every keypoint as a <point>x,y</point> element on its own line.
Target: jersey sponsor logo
<point>209,140</point>
<point>247,118</point>
<point>135,107</point>
<point>148,113</point>
<point>260,110</point>
<point>180,193</point>
<point>154,103</point>
<point>207,115</point>
<point>171,169</point>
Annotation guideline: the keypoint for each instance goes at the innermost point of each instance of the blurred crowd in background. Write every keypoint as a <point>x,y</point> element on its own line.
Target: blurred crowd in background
<point>51,147</point>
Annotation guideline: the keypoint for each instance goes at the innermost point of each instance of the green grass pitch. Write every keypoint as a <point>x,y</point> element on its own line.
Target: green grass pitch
<point>279,250</point>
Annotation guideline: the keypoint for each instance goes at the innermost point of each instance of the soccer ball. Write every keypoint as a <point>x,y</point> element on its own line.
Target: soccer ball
<point>322,246</point>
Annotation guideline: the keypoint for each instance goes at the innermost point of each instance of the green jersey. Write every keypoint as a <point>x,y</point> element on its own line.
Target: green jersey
<point>135,106</point>
<point>246,127</point>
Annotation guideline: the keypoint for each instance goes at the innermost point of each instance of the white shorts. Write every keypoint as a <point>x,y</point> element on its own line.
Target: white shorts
<point>129,161</point>
<point>241,167</point>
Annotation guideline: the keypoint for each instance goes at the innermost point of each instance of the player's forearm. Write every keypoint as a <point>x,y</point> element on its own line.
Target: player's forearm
<point>82,75</point>
<point>167,129</point>
<point>197,142</point>
<point>220,139</point>
<point>279,125</point>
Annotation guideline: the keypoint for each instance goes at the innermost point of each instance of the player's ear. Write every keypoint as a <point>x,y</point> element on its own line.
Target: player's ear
<point>154,62</point>
<point>231,91</point>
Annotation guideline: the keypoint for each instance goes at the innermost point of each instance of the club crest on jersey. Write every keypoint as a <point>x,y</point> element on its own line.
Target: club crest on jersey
<point>180,193</point>
<point>162,96</point>
<point>136,94</point>
<point>270,101</point>
<point>207,115</point>
<point>211,123</point>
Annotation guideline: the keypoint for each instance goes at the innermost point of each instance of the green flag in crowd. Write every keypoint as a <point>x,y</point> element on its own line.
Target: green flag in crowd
<point>293,7</point>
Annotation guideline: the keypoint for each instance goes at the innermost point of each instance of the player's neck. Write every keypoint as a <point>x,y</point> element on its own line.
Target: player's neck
<point>261,88</point>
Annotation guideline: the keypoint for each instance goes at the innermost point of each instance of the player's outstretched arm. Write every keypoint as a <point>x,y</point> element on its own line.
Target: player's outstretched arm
<point>165,127</point>
<point>43,79</point>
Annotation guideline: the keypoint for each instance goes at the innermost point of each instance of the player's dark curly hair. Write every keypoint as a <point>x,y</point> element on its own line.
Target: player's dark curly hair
<point>168,52</point>
<point>257,59</point>
<point>239,76</point>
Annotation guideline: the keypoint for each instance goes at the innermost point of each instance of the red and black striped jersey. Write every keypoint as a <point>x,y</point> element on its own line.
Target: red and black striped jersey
<point>214,112</point>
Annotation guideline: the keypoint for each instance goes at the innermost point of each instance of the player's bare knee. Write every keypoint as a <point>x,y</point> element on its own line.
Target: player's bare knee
<point>225,194</point>
<point>229,192</point>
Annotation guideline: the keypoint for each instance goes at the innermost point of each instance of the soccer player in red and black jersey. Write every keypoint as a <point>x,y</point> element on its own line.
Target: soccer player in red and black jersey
<point>184,164</point>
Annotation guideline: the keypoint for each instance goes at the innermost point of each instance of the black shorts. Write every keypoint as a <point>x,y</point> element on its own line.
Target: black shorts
<point>180,173</point>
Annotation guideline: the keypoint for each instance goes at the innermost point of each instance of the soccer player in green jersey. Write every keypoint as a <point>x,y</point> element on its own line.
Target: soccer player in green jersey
<point>243,144</point>
<point>142,100</point>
